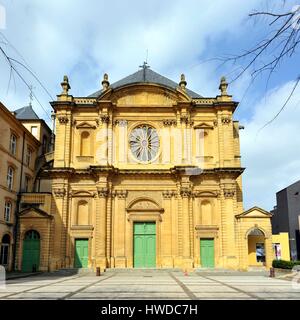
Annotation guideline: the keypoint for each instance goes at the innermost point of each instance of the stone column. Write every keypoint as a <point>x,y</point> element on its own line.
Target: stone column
<point>100,230</point>
<point>186,236</point>
<point>228,227</point>
<point>166,231</point>
<point>120,221</point>
<point>102,152</point>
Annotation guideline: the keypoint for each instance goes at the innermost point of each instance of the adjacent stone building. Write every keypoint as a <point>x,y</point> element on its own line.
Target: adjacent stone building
<point>18,153</point>
<point>145,173</point>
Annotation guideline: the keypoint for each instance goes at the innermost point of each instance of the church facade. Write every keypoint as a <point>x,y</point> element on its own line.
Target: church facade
<point>145,174</point>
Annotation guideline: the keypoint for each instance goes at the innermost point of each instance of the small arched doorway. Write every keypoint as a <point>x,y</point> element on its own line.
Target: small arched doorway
<point>4,254</point>
<point>31,251</point>
<point>256,248</point>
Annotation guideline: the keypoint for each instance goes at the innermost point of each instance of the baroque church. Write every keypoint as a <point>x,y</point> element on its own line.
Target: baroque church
<point>145,173</point>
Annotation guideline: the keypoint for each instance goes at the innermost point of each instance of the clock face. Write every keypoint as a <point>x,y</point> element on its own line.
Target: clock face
<point>144,143</point>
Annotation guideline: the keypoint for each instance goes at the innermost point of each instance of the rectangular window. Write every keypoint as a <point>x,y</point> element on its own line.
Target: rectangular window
<point>7,211</point>
<point>260,252</point>
<point>34,131</point>
<point>10,178</point>
<point>28,156</point>
<point>13,144</point>
<point>27,183</point>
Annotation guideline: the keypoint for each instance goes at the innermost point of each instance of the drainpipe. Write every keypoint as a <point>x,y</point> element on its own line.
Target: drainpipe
<point>16,224</point>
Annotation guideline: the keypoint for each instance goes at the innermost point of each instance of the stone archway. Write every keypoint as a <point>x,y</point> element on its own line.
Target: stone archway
<point>256,240</point>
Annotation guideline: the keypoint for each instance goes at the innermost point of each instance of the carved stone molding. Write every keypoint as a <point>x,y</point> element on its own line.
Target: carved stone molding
<point>226,120</point>
<point>121,194</point>
<point>215,122</point>
<point>105,118</point>
<point>168,194</point>
<point>120,122</point>
<point>59,192</point>
<point>185,192</point>
<point>102,192</point>
<point>184,119</point>
<point>206,194</point>
<point>63,119</point>
<point>169,122</point>
<point>229,193</point>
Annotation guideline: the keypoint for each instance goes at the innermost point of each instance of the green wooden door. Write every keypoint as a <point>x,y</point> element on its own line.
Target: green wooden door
<point>144,245</point>
<point>207,253</point>
<point>31,252</point>
<point>81,253</point>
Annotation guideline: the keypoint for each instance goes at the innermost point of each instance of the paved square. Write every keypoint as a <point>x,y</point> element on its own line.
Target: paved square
<point>151,284</point>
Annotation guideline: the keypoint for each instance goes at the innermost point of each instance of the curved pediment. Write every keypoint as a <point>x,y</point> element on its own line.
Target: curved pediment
<point>144,204</point>
<point>82,193</point>
<point>145,95</point>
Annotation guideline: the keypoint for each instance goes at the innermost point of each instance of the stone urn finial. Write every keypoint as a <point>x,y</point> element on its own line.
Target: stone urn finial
<point>65,85</point>
<point>182,82</point>
<point>105,82</point>
<point>223,86</point>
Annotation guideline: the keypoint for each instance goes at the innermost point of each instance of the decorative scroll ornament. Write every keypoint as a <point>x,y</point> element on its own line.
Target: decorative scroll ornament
<point>168,194</point>
<point>169,122</point>
<point>226,120</point>
<point>59,192</point>
<point>229,193</point>
<point>63,119</point>
<point>102,192</point>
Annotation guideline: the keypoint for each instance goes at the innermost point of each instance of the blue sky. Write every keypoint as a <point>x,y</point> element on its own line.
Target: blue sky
<point>84,39</point>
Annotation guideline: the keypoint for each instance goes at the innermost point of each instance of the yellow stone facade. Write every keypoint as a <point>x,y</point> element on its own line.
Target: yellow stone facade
<point>19,157</point>
<point>191,188</point>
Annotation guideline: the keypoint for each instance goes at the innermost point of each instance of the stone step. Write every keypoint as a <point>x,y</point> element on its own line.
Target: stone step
<point>73,271</point>
<point>142,270</point>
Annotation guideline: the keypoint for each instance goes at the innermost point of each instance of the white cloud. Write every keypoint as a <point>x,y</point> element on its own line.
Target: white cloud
<point>271,156</point>
<point>85,39</point>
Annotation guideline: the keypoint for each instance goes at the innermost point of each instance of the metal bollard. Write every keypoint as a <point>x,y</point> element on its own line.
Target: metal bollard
<point>272,272</point>
<point>98,273</point>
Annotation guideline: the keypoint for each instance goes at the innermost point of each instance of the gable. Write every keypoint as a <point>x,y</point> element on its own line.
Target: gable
<point>255,212</point>
<point>145,95</point>
<point>33,212</point>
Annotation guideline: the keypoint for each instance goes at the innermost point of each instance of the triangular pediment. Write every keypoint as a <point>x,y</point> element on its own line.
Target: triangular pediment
<point>203,125</point>
<point>33,212</point>
<point>255,212</point>
<point>85,125</point>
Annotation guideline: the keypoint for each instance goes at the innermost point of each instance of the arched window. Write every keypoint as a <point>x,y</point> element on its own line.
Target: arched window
<point>32,235</point>
<point>10,178</point>
<point>13,144</point>
<point>85,148</point>
<point>7,211</point>
<point>4,254</point>
<point>83,213</point>
<point>206,213</point>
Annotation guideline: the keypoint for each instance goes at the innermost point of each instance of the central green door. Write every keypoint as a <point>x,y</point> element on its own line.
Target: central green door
<point>31,252</point>
<point>144,245</point>
<point>207,253</point>
<point>81,253</point>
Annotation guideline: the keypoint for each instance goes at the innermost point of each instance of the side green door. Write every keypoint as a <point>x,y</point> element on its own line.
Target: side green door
<point>81,253</point>
<point>31,252</point>
<point>144,245</point>
<point>207,253</point>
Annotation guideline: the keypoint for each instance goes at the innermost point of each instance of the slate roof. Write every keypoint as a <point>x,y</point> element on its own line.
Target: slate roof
<point>146,75</point>
<point>26,113</point>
